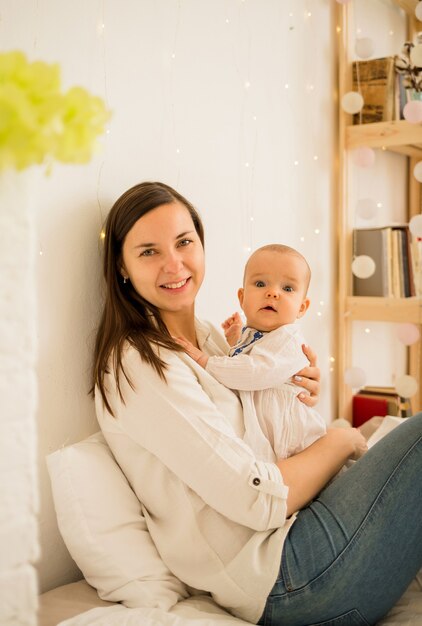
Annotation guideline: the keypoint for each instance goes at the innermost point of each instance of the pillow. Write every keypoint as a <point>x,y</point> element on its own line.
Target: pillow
<point>101,522</point>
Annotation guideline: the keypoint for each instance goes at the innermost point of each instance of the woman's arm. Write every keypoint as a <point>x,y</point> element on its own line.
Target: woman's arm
<point>307,472</point>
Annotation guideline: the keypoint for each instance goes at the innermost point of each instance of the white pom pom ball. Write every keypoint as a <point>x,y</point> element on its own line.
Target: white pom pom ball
<point>413,111</point>
<point>415,225</point>
<point>364,157</point>
<point>355,377</point>
<point>364,47</point>
<point>366,208</point>
<point>417,171</point>
<point>406,386</point>
<point>408,334</point>
<point>352,102</point>
<point>363,266</point>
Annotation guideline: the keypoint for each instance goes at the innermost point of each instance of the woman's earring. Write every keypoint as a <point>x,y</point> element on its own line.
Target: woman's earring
<point>125,279</point>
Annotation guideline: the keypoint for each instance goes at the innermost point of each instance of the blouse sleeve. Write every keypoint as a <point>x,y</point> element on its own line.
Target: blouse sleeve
<point>271,362</point>
<point>177,421</point>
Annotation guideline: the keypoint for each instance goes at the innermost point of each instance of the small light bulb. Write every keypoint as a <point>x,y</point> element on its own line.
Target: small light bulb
<point>254,118</point>
<point>315,158</point>
<point>379,205</point>
<point>391,32</point>
<point>309,14</point>
<point>331,369</point>
<point>102,235</point>
<point>302,238</point>
<point>338,29</point>
<point>40,252</point>
<point>359,30</point>
<point>247,84</point>
<point>321,303</point>
<point>173,56</point>
<point>319,313</point>
<point>252,219</point>
<point>178,150</point>
<point>296,162</point>
<point>367,330</point>
<point>246,164</point>
<point>227,21</point>
<point>286,86</point>
<point>290,14</point>
<point>332,359</point>
<point>317,231</point>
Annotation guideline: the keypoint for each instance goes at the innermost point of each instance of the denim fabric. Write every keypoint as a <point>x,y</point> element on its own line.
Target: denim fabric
<point>353,551</point>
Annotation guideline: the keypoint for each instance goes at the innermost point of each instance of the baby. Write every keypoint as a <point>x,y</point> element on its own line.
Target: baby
<point>267,352</point>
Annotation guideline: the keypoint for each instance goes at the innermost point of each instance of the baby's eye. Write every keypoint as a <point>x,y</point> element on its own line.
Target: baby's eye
<point>259,283</point>
<point>287,288</point>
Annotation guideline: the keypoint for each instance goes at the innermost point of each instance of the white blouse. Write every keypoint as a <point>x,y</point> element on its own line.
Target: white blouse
<point>216,514</point>
<point>278,425</point>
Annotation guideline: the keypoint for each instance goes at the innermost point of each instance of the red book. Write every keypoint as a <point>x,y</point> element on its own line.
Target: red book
<point>365,407</point>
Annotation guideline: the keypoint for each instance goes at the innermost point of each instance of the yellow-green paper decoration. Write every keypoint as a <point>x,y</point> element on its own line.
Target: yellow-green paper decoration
<point>39,123</point>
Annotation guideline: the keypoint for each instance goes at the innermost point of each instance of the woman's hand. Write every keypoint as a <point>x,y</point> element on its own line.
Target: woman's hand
<point>309,378</point>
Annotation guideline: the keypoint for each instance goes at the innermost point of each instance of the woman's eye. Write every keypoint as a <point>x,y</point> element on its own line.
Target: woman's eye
<point>148,252</point>
<point>185,242</point>
<point>259,283</point>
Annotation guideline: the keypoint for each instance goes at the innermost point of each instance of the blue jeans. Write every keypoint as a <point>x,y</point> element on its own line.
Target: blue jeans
<point>353,550</point>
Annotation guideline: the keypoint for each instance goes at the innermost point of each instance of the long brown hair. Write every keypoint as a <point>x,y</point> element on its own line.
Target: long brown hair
<point>127,316</point>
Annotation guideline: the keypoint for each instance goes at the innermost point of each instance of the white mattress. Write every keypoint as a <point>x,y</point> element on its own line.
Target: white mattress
<point>201,611</point>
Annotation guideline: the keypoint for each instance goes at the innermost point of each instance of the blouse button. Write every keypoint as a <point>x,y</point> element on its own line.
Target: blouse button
<point>256,481</point>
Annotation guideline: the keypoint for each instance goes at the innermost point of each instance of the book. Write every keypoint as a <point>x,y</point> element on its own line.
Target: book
<point>365,407</point>
<point>375,80</point>
<point>396,405</point>
<point>374,243</point>
<point>393,252</point>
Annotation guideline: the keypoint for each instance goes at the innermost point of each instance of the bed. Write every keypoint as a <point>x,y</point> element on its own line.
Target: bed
<point>125,581</point>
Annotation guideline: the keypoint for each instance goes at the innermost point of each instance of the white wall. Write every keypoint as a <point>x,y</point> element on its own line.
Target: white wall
<point>229,101</point>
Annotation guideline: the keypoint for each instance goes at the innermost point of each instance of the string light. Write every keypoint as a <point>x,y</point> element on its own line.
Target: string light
<point>317,231</point>
<point>247,84</point>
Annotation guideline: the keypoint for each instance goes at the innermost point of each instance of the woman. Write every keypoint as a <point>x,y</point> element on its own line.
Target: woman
<point>222,521</point>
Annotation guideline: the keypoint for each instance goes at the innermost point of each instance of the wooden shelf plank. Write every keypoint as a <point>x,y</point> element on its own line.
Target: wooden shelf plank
<point>384,309</point>
<point>399,136</point>
<point>407,5</point>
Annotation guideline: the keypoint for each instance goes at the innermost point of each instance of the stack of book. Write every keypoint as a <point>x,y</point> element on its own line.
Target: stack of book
<point>378,401</point>
<point>398,262</point>
<point>382,90</point>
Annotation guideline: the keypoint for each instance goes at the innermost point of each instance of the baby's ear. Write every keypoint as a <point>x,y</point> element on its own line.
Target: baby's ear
<point>303,307</point>
<point>240,295</point>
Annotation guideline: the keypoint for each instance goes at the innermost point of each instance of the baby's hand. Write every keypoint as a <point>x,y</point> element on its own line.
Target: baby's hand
<point>232,329</point>
<point>197,355</point>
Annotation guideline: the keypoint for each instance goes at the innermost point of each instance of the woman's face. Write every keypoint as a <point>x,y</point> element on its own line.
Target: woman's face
<point>164,258</point>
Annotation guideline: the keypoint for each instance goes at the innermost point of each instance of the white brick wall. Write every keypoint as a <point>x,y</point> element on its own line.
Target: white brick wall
<point>19,548</point>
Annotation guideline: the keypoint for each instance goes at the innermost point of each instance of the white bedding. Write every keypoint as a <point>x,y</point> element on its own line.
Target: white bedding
<point>202,611</point>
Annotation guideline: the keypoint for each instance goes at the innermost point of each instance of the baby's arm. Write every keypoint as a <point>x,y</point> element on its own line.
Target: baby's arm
<point>232,327</point>
<point>195,353</point>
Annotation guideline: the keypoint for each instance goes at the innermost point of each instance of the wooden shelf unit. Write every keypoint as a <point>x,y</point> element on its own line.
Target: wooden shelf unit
<point>397,136</point>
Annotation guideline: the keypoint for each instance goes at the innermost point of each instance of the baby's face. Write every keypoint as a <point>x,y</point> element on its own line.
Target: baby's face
<point>274,291</point>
